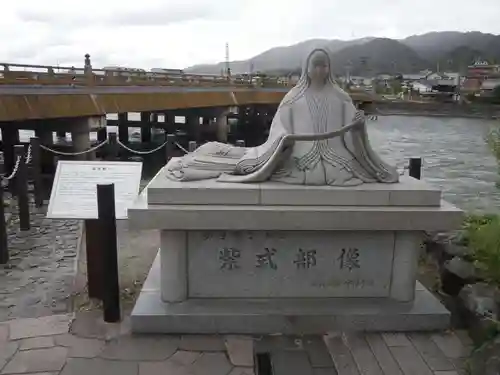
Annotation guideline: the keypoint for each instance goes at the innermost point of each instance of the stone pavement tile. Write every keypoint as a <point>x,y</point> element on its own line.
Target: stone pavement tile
<point>211,364</point>
<point>396,339</point>
<point>90,324</point>
<point>202,343</point>
<point>37,343</point>
<point>242,371</point>
<point>37,360</point>
<point>460,365</point>
<point>184,358</point>
<point>4,333</point>
<point>430,352</point>
<point>291,362</point>
<point>342,358</point>
<point>34,327</point>
<point>445,373</point>
<point>267,344</point>
<point>80,347</point>
<point>240,350</point>
<point>7,350</point>
<point>450,345</point>
<point>141,348</point>
<point>325,371</point>
<point>362,354</point>
<point>410,361</point>
<point>98,366</point>
<point>317,352</point>
<point>163,368</point>
<point>463,335</point>
<point>384,357</point>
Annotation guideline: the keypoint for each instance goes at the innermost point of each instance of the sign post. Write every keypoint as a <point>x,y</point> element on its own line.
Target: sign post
<point>107,221</point>
<point>74,196</point>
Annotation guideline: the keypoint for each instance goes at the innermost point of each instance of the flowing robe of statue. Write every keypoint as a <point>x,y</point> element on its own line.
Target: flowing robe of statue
<point>317,137</point>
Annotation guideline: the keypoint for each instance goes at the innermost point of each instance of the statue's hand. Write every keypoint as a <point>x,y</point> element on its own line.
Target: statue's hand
<point>359,117</point>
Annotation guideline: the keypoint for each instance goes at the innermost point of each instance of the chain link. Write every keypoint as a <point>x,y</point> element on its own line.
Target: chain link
<point>29,157</point>
<point>141,152</point>
<point>181,148</point>
<point>92,149</point>
<point>5,179</point>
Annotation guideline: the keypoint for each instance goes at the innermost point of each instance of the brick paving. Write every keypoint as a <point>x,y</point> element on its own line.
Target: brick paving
<point>84,344</point>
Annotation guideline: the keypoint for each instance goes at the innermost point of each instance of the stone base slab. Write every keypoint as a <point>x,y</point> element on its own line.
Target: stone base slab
<point>285,316</point>
<point>408,192</point>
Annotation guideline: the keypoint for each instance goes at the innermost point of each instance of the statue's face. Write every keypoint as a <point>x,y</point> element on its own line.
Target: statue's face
<point>318,69</point>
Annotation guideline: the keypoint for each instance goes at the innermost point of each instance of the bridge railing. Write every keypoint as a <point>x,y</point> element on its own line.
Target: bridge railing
<point>28,74</point>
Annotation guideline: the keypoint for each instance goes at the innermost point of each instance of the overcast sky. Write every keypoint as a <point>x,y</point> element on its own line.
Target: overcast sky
<point>179,33</point>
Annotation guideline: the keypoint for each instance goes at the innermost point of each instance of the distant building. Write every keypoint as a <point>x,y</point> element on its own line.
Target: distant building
<point>483,70</point>
<point>172,73</point>
<point>422,86</point>
<point>488,86</point>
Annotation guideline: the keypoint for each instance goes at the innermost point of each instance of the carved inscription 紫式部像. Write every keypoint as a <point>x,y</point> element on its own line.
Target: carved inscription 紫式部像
<point>229,258</point>
<point>349,258</point>
<point>265,259</point>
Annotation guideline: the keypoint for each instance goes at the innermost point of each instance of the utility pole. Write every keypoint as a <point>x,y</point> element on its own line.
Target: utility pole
<point>228,67</point>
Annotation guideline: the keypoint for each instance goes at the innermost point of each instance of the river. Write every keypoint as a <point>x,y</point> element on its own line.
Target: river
<point>456,157</point>
<point>455,154</point>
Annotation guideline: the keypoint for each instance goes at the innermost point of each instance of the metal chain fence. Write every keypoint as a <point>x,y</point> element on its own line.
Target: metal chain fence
<point>92,149</point>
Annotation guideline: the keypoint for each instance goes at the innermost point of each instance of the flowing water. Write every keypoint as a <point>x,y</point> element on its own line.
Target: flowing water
<point>455,153</point>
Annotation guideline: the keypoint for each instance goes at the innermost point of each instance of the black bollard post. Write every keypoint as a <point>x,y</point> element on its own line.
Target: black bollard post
<point>113,146</point>
<point>107,220</point>
<point>192,146</point>
<point>36,171</point>
<point>415,168</point>
<point>22,189</point>
<point>4,250</point>
<point>169,147</point>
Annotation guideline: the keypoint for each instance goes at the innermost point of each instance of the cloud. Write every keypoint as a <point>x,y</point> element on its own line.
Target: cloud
<point>180,33</point>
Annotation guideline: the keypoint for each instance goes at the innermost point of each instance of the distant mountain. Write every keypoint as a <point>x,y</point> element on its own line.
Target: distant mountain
<point>276,59</point>
<point>436,46</point>
<point>377,56</point>
<point>450,50</point>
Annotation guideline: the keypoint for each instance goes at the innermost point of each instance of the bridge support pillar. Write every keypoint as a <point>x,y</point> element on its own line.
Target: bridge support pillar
<point>222,127</point>
<point>61,134</point>
<point>47,160</point>
<point>154,119</point>
<point>146,127</point>
<point>102,135</point>
<point>10,138</point>
<point>123,127</point>
<point>80,135</point>
<point>193,127</point>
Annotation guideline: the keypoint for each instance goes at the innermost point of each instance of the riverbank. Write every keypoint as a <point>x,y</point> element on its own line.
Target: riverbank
<point>435,109</point>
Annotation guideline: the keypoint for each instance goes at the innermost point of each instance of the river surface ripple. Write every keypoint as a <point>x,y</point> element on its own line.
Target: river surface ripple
<point>455,153</point>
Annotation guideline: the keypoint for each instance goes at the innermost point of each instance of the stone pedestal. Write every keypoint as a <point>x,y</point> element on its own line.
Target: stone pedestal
<point>275,258</point>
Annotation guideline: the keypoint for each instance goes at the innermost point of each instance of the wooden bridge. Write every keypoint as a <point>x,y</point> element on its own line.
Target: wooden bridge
<point>31,92</point>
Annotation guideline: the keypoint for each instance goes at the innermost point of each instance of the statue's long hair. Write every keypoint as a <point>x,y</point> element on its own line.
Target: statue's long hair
<point>304,82</point>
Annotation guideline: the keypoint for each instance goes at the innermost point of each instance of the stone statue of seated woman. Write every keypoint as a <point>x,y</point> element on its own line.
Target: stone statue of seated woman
<point>317,137</point>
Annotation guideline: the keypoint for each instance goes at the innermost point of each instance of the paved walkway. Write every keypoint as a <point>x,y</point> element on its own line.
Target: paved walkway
<point>83,344</point>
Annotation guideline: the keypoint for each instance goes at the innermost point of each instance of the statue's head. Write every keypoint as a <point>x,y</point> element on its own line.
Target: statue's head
<point>318,67</point>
